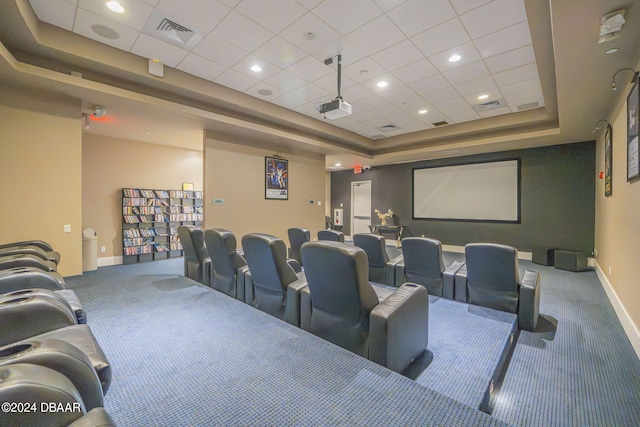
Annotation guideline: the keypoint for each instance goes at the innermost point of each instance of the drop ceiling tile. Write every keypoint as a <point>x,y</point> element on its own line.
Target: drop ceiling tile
<point>280,52</point>
<point>356,93</point>
<point>513,58</point>
<point>344,121</point>
<point>311,92</point>
<point>264,91</point>
<point>483,84</point>
<point>346,16</point>
<point>466,73</point>
<point>494,94</point>
<point>523,101</point>
<point>412,124</point>
<point>201,67</point>
<point>149,47</point>
<point>515,75</point>
<point>433,116</point>
<point>324,34</point>
<point>310,69</point>
<point>457,110</point>
<point>240,31</point>
<point>417,16</point>
<point>196,15</point>
<point>310,109</point>
<point>387,5</point>
<point>495,112</point>
<point>274,15</point>
<point>135,15</point>
<point>531,85</point>
<point>392,82</point>
<point>354,127</point>
<point>398,55</point>
<point>73,2</point>
<point>55,12</point>
<point>376,121</point>
<point>330,82</point>
<point>290,101</point>
<point>356,70</point>
<point>286,81</point>
<point>399,116</point>
<point>494,16</point>
<point>372,102</point>
<point>416,71</point>
<point>462,6</point>
<point>230,3</point>
<point>152,2</point>
<point>236,80</point>
<point>413,105</point>
<point>398,94</point>
<point>440,38</point>
<point>218,50</point>
<point>429,84</point>
<point>244,66</point>
<point>441,95</point>
<point>86,20</point>
<point>467,51</point>
<point>504,40</point>
<point>386,110</point>
<point>363,116</point>
<point>375,36</point>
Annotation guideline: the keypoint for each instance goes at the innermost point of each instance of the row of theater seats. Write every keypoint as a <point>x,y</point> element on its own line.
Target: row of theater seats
<point>52,370</point>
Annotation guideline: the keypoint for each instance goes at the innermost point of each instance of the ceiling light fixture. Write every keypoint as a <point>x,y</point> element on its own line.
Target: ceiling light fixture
<point>613,80</point>
<point>338,165</point>
<point>424,111</point>
<point>382,84</point>
<point>483,97</point>
<point>610,51</point>
<point>455,58</point>
<point>256,68</point>
<point>598,127</point>
<point>115,6</point>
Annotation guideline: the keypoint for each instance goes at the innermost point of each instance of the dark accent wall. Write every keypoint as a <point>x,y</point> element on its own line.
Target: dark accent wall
<point>557,199</point>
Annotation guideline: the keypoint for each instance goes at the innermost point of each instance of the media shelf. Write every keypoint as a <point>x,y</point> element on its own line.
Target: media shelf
<point>150,219</point>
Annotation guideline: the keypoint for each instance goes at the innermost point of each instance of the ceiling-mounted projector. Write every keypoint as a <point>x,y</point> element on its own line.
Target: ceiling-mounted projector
<point>338,107</point>
<point>335,109</point>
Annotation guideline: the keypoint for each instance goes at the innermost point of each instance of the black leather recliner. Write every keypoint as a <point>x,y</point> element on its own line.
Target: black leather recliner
<point>381,268</point>
<point>422,263</point>
<point>343,307</point>
<point>490,278</point>
<point>39,244</point>
<point>297,237</point>
<point>25,260</point>
<point>197,264</point>
<point>331,235</point>
<point>229,267</point>
<point>271,275</point>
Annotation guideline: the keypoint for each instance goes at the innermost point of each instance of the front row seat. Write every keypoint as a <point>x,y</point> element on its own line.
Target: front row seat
<point>490,278</point>
<point>197,264</point>
<point>341,306</point>
<point>332,235</point>
<point>381,268</point>
<point>229,267</point>
<point>40,385</point>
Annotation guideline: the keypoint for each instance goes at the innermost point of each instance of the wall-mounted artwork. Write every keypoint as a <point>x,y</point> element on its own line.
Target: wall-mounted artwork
<point>633,105</point>
<point>276,178</point>
<point>608,138</point>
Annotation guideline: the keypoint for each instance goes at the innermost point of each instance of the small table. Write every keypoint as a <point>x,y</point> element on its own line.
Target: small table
<point>396,230</point>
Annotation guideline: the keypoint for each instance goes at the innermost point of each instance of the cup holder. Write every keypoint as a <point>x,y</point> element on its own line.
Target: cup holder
<point>15,300</point>
<point>21,292</point>
<point>411,285</point>
<point>14,349</point>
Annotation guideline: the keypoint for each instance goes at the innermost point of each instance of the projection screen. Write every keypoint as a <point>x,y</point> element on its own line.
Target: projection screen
<point>470,192</point>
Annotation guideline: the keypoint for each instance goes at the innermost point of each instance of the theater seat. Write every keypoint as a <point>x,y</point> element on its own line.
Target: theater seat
<point>331,235</point>
<point>271,276</point>
<point>197,264</point>
<point>388,327</point>
<point>28,250</point>
<point>40,244</point>
<point>490,278</point>
<point>297,237</point>
<point>66,296</point>
<point>16,278</point>
<point>25,260</point>
<point>381,269</point>
<point>229,267</point>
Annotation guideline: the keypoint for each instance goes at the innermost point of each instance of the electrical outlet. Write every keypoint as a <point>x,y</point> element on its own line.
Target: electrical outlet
<point>67,228</point>
<point>103,249</point>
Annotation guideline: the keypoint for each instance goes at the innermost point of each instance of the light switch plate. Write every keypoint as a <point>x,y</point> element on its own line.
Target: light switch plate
<point>67,228</point>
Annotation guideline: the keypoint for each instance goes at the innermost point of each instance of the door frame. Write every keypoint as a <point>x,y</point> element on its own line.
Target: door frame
<point>353,184</point>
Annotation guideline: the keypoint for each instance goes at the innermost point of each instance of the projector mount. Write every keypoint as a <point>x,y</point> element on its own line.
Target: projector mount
<point>329,61</point>
<point>337,108</point>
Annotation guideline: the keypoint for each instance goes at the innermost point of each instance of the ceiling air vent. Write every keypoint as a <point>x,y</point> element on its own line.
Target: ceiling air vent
<point>176,31</point>
<point>388,128</point>
<point>491,105</point>
<point>378,136</point>
<point>528,106</point>
<point>438,124</point>
<point>163,28</point>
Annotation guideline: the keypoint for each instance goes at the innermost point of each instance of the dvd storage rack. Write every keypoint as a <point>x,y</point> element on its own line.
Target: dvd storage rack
<point>150,219</point>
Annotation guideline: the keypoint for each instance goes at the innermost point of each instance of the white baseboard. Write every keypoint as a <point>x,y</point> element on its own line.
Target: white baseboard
<point>109,260</point>
<point>627,324</point>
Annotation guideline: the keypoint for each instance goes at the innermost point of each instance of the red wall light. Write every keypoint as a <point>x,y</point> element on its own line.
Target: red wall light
<point>357,169</point>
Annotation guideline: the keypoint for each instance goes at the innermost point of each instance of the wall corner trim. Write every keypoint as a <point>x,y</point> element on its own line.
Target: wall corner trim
<point>627,324</point>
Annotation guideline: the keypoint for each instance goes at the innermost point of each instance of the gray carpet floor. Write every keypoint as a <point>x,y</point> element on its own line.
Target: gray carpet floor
<point>184,355</point>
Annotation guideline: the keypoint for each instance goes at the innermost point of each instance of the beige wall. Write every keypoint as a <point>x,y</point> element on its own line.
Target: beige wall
<point>618,225</point>
<point>41,174</point>
<point>110,164</point>
<point>235,173</point>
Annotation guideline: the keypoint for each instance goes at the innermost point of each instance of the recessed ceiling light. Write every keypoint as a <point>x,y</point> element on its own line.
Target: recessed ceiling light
<point>309,35</point>
<point>483,96</point>
<point>455,58</point>
<point>382,84</point>
<point>364,71</point>
<point>423,111</point>
<point>610,51</point>
<point>115,6</point>
<point>265,92</point>
<point>338,165</point>
<point>256,68</point>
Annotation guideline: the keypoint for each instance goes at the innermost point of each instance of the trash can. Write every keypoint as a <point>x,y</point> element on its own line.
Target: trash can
<point>89,249</point>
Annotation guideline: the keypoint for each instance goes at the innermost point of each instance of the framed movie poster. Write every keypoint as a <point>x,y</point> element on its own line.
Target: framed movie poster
<point>633,105</point>
<point>608,161</point>
<point>276,172</point>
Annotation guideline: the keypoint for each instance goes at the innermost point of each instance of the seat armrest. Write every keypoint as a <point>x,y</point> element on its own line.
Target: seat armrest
<point>399,274</point>
<point>294,264</point>
<point>93,418</point>
<point>240,282</point>
<point>305,308</point>
<point>390,270</point>
<point>292,311</point>
<point>460,284</point>
<point>207,272</point>
<point>399,327</point>
<point>248,288</point>
<point>448,279</point>
<point>529,301</point>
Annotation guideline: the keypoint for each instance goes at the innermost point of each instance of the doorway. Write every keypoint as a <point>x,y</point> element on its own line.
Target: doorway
<point>360,207</point>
